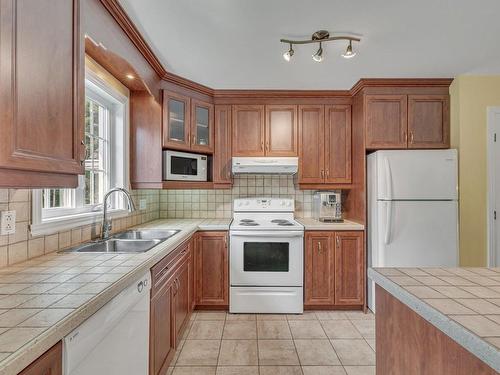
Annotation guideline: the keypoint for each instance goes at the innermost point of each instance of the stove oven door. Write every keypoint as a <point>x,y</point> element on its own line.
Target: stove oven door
<point>260,258</point>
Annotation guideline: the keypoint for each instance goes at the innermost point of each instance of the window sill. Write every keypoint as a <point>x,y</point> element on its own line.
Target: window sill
<point>59,224</point>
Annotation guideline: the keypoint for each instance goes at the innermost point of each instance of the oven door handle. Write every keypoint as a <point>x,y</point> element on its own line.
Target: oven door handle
<point>270,234</point>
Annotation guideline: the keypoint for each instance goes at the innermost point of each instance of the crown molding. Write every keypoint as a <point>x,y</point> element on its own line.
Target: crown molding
<point>280,94</point>
<point>188,84</point>
<point>121,17</point>
<point>399,82</point>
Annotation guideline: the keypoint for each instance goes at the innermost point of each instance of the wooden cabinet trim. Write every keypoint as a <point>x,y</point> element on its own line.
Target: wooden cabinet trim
<point>167,142</point>
<point>292,133</point>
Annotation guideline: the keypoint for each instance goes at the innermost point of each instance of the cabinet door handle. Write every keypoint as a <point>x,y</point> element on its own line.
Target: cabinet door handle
<point>327,173</point>
<point>411,137</point>
<point>194,139</point>
<point>262,145</point>
<point>405,136</point>
<point>267,145</point>
<point>338,241</point>
<point>225,242</point>
<point>319,247</point>
<point>322,173</point>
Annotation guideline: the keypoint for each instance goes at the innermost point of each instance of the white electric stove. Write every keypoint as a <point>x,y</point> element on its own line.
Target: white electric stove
<point>266,257</point>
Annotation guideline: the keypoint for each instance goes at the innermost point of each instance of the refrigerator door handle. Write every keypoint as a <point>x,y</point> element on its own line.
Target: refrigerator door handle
<point>388,179</point>
<point>388,211</point>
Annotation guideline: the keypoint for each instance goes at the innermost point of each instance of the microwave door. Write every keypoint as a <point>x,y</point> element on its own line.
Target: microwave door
<point>182,166</point>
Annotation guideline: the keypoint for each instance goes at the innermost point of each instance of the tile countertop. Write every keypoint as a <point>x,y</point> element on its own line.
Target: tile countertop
<point>45,298</point>
<point>313,224</point>
<point>464,303</point>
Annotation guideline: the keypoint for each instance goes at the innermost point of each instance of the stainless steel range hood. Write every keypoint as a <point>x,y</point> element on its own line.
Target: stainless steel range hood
<point>265,165</point>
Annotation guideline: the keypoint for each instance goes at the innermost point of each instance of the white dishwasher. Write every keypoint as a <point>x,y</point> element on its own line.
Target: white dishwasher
<point>115,340</point>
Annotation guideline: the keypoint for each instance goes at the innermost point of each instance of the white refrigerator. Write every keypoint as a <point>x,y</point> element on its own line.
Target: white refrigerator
<point>412,210</point>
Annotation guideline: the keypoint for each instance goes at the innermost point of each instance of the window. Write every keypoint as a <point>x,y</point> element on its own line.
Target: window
<point>105,163</point>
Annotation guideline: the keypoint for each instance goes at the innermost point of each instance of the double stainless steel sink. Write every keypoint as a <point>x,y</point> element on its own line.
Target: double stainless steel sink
<point>131,241</point>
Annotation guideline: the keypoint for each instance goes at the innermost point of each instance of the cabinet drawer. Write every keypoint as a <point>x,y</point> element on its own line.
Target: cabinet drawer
<point>162,270</point>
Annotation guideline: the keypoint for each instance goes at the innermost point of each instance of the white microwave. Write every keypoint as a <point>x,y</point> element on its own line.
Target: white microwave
<point>184,166</point>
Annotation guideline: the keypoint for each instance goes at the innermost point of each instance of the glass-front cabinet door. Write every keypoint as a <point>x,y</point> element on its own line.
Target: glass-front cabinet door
<point>176,121</point>
<point>202,114</point>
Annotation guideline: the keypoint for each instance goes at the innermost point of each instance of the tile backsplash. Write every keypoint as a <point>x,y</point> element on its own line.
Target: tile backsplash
<point>22,245</point>
<point>217,203</point>
<point>194,204</point>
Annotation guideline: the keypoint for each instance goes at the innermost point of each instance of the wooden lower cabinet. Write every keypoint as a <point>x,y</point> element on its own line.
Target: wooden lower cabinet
<point>171,306</point>
<point>162,338</point>
<point>334,269</point>
<point>408,344</point>
<point>181,299</point>
<point>319,269</point>
<point>49,363</point>
<point>349,268</point>
<point>211,269</point>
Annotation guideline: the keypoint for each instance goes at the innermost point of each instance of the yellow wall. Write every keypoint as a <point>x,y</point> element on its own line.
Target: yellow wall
<point>470,97</point>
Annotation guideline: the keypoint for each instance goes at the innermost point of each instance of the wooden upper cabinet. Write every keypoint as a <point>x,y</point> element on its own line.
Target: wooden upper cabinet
<point>349,268</point>
<point>212,268</point>
<point>42,92</point>
<point>248,130</point>
<point>311,144</point>
<point>338,144</point>
<point>319,269</point>
<point>222,154</point>
<point>386,121</point>
<point>49,363</point>
<point>202,126</point>
<point>176,121</point>
<point>428,121</point>
<point>281,130</point>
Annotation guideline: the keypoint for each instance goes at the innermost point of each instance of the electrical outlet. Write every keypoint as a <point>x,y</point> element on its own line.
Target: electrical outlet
<point>143,204</point>
<point>7,222</point>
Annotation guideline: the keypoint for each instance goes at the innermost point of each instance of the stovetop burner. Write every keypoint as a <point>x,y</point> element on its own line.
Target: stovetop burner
<point>279,221</point>
<point>250,223</point>
<point>286,224</point>
<point>247,220</point>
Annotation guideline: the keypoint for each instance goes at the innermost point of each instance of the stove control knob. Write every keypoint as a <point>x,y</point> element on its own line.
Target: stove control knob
<point>247,203</point>
<point>289,203</point>
<point>282,203</point>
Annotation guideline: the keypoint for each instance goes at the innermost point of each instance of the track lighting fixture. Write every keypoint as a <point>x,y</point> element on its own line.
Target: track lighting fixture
<point>320,37</point>
<point>318,56</point>
<point>288,54</point>
<point>349,54</point>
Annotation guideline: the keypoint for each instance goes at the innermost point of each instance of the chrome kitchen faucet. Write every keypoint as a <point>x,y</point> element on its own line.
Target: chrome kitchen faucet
<point>106,224</point>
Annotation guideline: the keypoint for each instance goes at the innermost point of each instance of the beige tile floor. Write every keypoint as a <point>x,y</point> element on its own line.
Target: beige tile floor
<point>315,343</point>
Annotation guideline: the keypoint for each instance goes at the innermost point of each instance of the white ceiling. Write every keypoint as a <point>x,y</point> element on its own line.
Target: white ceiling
<point>234,44</point>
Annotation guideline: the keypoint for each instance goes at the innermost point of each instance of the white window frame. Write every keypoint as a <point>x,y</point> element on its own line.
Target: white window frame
<point>47,221</point>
